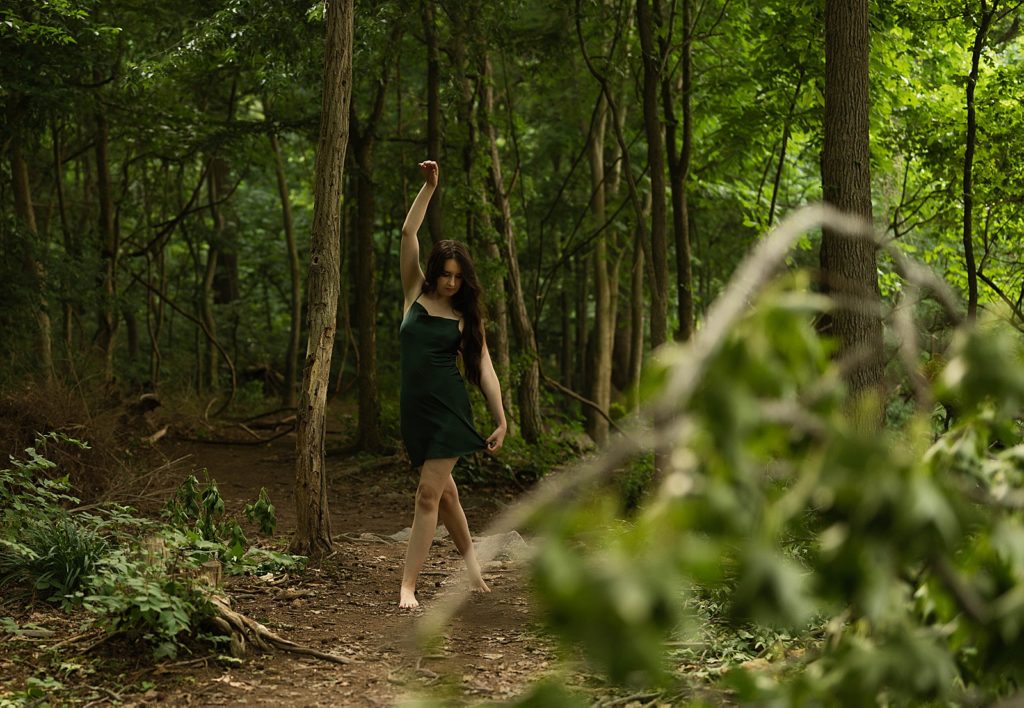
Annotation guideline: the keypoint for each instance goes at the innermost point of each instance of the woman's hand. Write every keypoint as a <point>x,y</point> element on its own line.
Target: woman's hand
<point>430,171</point>
<point>497,438</point>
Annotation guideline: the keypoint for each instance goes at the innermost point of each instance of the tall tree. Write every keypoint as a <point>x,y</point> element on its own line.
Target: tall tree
<point>600,384</point>
<point>679,158</point>
<point>25,212</point>
<point>363,135</point>
<point>986,14</point>
<point>848,263</point>
<point>109,242</point>
<point>652,74</point>
<point>313,532</point>
<point>294,273</point>
<point>529,385</point>
<point>428,14</point>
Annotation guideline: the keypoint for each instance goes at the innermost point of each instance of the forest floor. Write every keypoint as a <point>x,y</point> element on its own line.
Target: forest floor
<point>492,650</point>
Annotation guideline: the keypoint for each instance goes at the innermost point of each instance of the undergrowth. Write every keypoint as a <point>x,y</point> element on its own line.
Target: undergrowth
<point>136,577</point>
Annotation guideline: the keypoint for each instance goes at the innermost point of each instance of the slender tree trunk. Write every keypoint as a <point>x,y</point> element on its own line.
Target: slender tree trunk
<point>656,161</point>
<point>636,344</point>
<point>848,264</point>
<point>987,13</point>
<point>368,435</point>
<point>132,331</point>
<point>313,532</point>
<point>209,379</point>
<point>295,273</point>
<point>485,233</point>
<point>25,212</point>
<point>433,112</point>
<point>498,316</point>
<point>225,284</point>
<point>364,139</point>
<point>639,211</point>
<point>155,310</point>
<point>600,385</point>
<point>67,233</point>
<point>582,331</point>
<point>108,250</point>
<point>529,386</point>
<point>565,350</point>
<point>679,169</point>
<point>785,142</point>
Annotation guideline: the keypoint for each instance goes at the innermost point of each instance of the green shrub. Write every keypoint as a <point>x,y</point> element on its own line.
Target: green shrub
<point>142,599</point>
<point>891,558</point>
<point>146,591</point>
<point>57,556</point>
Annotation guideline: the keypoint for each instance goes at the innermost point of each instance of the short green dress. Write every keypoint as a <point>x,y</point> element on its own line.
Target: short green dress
<point>436,417</point>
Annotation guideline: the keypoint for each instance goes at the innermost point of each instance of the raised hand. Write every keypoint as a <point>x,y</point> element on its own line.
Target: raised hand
<point>430,171</point>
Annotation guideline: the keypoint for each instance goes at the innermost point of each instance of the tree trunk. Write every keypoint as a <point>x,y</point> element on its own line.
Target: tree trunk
<point>848,264</point>
<point>987,13</point>
<point>600,385</point>
<point>582,331</point>
<point>25,212</point>
<point>498,339</point>
<point>108,249</point>
<point>364,139</point>
<point>209,380</point>
<point>785,142</point>
<point>529,386</point>
<point>368,435</point>
<point>656,161</point>
<point>433,112</point>
<point>155,309</point>
<point>295,273</point>
<point>636,344</point>
<point>679,169</point>
<point>313,532</point>
<point>65,228</point>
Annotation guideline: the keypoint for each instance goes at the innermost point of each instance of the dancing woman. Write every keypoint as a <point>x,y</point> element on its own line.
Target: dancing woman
<point>442,319</point>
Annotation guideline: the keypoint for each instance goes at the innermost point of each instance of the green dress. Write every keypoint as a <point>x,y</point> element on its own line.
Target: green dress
<point>436,418</point>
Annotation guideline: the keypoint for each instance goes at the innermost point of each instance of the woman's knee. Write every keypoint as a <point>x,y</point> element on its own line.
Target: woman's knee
<point>428,497</point>
<point>449,497</point>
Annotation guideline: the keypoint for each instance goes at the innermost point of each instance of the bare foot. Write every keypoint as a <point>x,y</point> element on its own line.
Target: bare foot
<point>408,599</point>
<point>478,584</point>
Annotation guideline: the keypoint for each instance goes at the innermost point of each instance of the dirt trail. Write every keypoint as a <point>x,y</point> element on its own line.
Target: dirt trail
<point>348,605</point>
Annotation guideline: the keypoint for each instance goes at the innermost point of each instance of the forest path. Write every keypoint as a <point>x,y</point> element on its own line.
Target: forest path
<point>348,604</point>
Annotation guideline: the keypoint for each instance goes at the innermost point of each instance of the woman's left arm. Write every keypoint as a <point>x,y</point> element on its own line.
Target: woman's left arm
<point>492,394</point>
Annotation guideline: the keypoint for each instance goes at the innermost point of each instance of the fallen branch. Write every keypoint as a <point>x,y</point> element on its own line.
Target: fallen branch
<point>551,383</point>
<point>222,441</point>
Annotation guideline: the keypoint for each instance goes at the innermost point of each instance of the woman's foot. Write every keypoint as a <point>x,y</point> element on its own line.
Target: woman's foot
<point>476,582</point>
<point>407,599</point>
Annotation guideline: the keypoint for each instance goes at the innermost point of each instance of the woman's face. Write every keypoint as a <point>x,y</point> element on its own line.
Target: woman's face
<point>451,278</point>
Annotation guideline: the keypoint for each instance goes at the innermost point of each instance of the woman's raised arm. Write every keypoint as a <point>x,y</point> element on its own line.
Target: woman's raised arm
<point>409,253</point>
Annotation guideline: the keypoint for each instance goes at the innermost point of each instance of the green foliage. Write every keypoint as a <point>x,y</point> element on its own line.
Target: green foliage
<point>35,692</point>
<point>42,546</point>
<point>892,557</point>
<point>147,600</point>
<point>146,590</point>
<point>262,512</point>
<point>197,513</point>
<point>54,557</point>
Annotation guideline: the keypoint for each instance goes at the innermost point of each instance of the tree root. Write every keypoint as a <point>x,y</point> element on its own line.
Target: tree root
<point>246,634</point>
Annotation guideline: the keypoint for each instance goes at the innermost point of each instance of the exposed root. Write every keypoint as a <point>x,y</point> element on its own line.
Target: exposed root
<point>246,633</point>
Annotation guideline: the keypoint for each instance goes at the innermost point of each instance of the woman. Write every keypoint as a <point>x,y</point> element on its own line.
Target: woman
<point>442,319</point>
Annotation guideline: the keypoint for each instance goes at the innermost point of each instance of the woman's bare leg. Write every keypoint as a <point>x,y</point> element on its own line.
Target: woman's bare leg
<point>434,477</point>
<point>454,519</point>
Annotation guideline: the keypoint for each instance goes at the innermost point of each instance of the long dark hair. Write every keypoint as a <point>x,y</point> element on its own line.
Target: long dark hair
<point>468,301</point>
